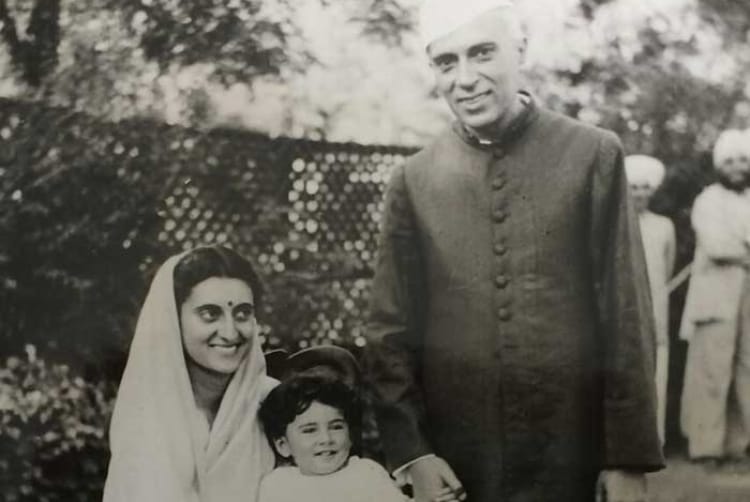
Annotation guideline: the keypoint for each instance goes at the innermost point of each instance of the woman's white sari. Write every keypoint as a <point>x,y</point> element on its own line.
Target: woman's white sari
<point>162,447</point>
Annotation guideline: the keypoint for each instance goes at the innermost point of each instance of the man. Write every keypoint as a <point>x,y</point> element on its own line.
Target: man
<point>645,175</point>
<point>715,415</point>
<point>511,334</point>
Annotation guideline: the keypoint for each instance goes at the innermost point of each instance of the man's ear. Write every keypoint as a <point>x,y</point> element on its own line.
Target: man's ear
<point>282,447</point>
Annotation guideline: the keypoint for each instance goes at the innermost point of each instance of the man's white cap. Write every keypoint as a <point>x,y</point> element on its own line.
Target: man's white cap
<point>644,169</point>
<point>731,143</point>
<point>438,18</point>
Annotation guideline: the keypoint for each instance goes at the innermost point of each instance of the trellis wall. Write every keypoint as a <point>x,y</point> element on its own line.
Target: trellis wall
<point>114,199</point>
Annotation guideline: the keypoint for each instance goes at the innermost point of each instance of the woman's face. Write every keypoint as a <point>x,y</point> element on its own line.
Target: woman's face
<point>218,323</point>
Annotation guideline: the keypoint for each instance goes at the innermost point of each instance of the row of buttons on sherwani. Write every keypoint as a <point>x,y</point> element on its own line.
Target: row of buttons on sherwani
<point>500,248</point>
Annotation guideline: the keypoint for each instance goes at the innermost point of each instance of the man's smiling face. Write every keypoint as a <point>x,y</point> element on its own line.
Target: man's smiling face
<point>477,70</point>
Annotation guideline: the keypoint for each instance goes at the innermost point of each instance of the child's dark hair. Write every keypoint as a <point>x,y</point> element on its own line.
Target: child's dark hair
<point>213,261</point>
<point>295,395</point>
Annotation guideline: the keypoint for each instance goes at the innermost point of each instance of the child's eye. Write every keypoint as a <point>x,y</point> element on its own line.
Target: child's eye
<point>338,426</point>
<point>307,430</point>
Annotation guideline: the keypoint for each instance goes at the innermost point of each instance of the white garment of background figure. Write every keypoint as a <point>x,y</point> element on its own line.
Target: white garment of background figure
<point>645,174</point>
<point>715,415</point>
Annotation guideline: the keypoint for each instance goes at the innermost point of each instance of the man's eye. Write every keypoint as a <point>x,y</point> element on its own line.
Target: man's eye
<point>484,54</point>
<point>444,65</point>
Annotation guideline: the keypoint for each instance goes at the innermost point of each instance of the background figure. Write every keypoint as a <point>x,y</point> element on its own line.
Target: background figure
<point>715,414</point>
<point>645,174</point>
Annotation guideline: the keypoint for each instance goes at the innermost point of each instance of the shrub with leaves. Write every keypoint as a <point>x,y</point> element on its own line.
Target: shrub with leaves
<point>53,423</point>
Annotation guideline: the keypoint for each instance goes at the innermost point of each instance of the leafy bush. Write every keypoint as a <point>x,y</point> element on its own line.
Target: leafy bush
<point>52,432</point>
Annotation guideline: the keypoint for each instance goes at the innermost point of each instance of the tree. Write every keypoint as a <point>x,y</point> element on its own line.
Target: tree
<point>35,55</point>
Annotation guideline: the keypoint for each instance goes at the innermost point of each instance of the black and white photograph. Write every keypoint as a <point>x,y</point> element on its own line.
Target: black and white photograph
<point>374,250</point>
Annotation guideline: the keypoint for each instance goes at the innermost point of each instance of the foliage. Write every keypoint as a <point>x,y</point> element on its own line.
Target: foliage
<point>70,222</point>
<point>667,81</point>
<point>35,55</point>
<point>88,209</point>
<point>52,432</point>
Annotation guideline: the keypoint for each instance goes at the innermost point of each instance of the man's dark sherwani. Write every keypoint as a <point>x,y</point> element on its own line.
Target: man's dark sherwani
<point>511,330</point>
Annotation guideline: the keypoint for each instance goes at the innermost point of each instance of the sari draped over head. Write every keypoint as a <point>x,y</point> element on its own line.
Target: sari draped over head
<point>163,449</point>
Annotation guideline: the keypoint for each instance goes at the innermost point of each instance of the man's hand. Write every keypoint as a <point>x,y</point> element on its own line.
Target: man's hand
<point>621,486</point>
<point>434,481</point>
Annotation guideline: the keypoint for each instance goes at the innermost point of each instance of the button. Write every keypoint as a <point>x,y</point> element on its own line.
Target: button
<point>499,215</point>
<point>504,314</point>
<point>498,183</point>
<point>500,249</point>
<point>502,281</point>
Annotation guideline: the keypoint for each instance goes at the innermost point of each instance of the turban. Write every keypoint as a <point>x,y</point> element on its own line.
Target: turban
<point>438,18</point>
<point>731,143</point>
<point>644,169</point>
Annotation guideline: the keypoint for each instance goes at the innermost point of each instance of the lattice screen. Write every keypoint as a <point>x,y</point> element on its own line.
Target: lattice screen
<point>306,212</point>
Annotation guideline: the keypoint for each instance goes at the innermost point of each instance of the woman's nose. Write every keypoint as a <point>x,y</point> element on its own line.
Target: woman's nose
<point>228,330</point>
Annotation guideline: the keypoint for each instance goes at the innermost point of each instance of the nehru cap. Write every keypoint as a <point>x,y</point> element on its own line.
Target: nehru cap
<point>731,143</point>
<point>438,18</point>
<point>644,169</point>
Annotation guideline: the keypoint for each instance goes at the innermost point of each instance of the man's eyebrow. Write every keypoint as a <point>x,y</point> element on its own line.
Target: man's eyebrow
<point>443,56</point>
<point>482,45</point>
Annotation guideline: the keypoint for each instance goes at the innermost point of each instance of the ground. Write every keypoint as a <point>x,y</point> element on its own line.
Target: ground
<point>683,481</point>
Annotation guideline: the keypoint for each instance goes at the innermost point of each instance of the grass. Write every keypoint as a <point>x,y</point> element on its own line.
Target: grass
<point>684,481</point>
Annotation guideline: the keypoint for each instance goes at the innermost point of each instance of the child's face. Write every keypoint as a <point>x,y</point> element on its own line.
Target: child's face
<point>318,440</point>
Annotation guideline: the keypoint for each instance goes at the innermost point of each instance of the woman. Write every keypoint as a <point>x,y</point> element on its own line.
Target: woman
<point>184,427</point>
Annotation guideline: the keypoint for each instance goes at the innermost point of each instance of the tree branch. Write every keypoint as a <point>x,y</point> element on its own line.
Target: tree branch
<point>9,34</point>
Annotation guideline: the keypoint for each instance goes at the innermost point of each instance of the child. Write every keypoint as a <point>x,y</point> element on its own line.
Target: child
<point>308,419</point>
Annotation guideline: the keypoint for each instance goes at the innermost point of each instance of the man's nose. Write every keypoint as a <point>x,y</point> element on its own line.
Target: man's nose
<point>467,75</point>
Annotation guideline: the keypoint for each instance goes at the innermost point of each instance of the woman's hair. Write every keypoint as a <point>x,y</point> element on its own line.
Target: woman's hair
<point>213,261</point>
<point>295,395</point>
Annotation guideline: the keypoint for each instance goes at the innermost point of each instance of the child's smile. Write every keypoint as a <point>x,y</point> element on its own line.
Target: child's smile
<point>318,440</point>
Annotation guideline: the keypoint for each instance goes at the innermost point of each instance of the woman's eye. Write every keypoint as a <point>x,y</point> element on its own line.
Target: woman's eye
<point>245,313</point>
<point>209,314</point>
